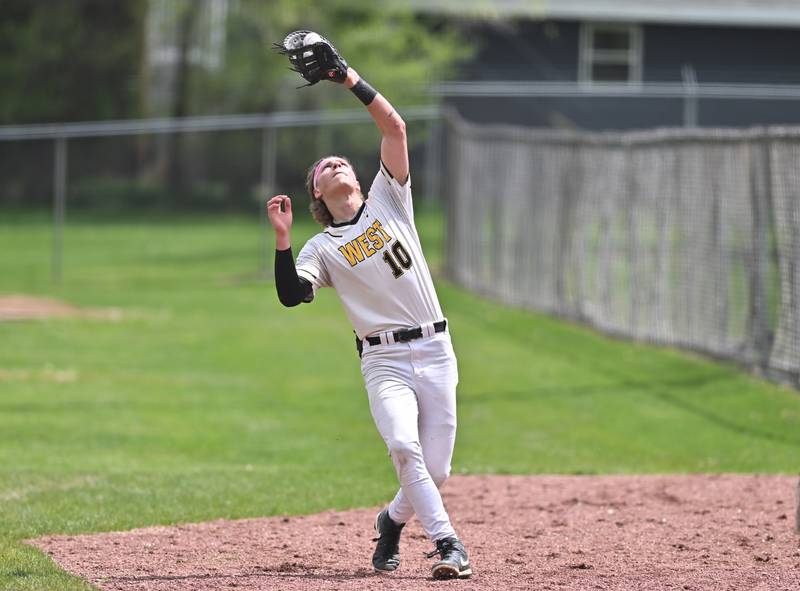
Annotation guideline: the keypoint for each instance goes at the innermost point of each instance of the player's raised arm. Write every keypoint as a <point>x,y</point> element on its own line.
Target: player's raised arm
<point>394,147</point>
<point>315,59</point>
<point>291,289</point>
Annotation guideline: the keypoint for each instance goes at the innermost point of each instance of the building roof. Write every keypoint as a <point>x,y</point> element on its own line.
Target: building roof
<point>746,13</point>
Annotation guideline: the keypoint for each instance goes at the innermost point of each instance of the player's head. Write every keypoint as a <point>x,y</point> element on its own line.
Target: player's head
<point>329,178</point>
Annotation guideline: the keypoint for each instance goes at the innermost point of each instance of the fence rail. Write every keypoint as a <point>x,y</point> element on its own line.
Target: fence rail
<point>210,123</point>
<point>268,123</point>
<point>689,92</point>
<point>676,90</point>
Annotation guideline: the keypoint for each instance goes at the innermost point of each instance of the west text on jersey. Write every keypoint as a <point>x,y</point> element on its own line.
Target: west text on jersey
<point>366,244</point>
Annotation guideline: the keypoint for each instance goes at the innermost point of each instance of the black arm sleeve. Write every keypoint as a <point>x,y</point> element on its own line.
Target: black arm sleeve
<point>291,289</point>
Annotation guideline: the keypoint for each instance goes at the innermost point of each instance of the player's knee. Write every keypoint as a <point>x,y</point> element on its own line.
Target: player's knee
<point>439,475</point>
<point>404,451</point>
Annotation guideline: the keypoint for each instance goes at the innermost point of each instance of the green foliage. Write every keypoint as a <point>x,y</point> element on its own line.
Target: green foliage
<point>201,397</point>
<point>70,61</point>
<point>399,52</point>
<point>63,61</point>
<point>88,60</point>
<point>119,194</point>
<point>111,194</point>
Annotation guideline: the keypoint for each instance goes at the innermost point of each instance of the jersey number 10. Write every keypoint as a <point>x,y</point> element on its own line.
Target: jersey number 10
<point>401,256</point>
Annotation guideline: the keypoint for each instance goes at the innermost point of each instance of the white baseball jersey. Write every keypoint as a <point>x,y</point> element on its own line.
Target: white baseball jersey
<point>375,262</point>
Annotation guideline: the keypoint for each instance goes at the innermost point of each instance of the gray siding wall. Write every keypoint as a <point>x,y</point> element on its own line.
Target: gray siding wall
<point>527,50</point>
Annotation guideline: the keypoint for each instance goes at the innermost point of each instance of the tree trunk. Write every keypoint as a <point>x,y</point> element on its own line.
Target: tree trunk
<point>180,99</point>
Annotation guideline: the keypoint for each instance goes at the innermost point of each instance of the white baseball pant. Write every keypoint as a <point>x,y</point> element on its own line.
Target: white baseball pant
<point>412,397</point>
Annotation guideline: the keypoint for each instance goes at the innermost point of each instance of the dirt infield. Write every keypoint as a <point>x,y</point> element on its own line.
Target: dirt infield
<point>720,532</point>
<point>16,307</point>
<point>23,307</point>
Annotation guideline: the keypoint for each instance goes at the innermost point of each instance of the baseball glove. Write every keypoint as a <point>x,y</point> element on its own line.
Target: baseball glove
<point>313,57</point>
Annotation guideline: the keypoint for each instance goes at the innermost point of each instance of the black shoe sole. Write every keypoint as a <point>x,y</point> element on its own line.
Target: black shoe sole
<point>446,571</point>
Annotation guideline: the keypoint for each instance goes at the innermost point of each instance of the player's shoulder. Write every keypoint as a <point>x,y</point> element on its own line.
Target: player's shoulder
<point>383,179</point>
<point>315,241</point>
<point>392,197</point>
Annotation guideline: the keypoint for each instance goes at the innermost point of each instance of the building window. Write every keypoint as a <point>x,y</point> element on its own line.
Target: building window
<point>610,53</point>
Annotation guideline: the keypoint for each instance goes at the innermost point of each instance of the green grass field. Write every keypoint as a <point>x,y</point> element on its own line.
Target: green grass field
<point>206,399</point>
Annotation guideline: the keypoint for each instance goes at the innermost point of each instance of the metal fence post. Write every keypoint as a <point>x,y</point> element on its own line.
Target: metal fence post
<point>433,155</point>
<point>690,95</point>
<point>59,206</point>
<point>269,156</point>
<point>760,202</point>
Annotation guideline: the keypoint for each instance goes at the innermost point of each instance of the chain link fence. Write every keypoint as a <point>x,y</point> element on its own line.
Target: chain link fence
<point>680,237</point>
<point>212,165</point>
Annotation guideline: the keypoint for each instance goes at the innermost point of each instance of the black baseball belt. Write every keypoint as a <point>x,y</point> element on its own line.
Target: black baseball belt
<point>403,336</point>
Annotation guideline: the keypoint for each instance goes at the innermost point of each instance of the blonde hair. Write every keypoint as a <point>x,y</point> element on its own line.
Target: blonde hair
<point>319,211</point>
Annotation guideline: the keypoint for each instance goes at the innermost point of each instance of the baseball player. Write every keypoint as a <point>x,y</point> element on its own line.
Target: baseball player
<point>370,253</point>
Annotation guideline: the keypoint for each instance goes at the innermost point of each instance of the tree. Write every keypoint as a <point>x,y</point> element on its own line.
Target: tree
<point>70,60</point>
<point>399,52</point>
<point>64,60</point>
<point>73,60</point>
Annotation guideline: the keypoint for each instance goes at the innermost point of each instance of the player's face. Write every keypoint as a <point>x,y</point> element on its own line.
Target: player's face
<point>334,175</point>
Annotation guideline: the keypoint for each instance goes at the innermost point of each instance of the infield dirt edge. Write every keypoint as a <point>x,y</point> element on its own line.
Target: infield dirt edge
<point>698,531</point>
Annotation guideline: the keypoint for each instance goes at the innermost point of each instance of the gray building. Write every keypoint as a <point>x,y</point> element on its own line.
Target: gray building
<point>626,64</point>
